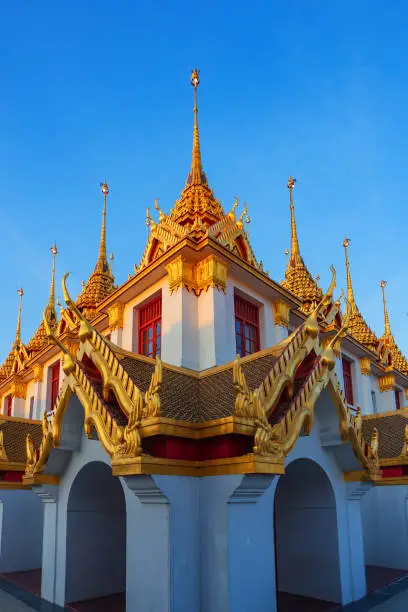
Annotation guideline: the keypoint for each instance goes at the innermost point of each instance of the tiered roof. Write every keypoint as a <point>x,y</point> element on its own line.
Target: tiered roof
<point>399,360</point>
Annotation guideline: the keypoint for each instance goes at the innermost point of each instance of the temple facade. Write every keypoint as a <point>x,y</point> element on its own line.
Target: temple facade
<point>203,437</point>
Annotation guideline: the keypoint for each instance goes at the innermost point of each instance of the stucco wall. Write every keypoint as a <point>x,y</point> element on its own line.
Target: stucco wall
<point>21,525</point>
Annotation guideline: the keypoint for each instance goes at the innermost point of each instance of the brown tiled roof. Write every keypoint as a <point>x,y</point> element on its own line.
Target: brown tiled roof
<point>391,433</point>
<point>14,438</point>
<point>185,397</point>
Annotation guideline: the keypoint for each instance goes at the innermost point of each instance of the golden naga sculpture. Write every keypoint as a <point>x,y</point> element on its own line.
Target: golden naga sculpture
<point>121,442</point>
<point>276,440</point>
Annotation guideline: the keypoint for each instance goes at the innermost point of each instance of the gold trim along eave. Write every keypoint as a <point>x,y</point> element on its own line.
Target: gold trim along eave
<point>247,464</point>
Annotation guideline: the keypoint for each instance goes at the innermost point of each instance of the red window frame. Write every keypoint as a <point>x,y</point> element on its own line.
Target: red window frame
<point>54,383</point>
<point>8,405</point>
<point>149,327</point>
<point>348,381</point>
<point>397,399</point>
<point>246,326</point>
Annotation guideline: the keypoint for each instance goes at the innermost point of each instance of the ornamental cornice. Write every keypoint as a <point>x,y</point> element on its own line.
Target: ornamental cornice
<point>199,277</point>
<point>281,311</point>
<point>115,313</point>
<point>386,383</point>
<point>365,366</point>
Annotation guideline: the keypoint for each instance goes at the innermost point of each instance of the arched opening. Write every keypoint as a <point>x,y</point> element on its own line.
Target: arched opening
<point>96,541</point>
<point>306,543</point>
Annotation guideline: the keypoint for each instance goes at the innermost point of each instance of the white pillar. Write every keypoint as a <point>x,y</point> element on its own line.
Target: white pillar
<point>18,406</point>
<point>179,327</point>
<point>49,496</point>
<point>116,336</point>
<point>251,547</point>
<point>355,492</point>
<point>148,572</point>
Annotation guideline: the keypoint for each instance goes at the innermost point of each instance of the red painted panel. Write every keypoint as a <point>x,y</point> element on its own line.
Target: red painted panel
<point>392,471</point>
<point>220,447</point>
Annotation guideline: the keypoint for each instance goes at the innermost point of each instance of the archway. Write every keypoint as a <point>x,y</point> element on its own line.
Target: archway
<point>96,541</point>
<point>306,541</point>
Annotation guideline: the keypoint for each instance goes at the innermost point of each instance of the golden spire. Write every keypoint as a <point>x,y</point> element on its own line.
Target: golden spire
<point>298,279</point>
<point>196,175</point>
<point>17,340</point>
<point>100,283</point>
<point>51,301</point>
<point>350,294</point>
<point>102,263</point>
<point>294,250</point>
<point>387,328</point>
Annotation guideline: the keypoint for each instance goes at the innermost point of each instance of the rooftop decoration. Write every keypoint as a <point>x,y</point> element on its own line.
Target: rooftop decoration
<point>197,214</point>
<point>18,352</point>
<point>398,359</point>
<point>101,282</point>
<point>298,279</point>
<point>358,327</point>
<point>40,340</point>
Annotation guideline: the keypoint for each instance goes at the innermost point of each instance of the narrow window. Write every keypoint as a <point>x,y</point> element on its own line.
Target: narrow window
<point>54,383</point>
<point>31,408</point>
<point>397,399</point>
<point>150,328</point>
<point>246,326</point>
<point>374,401</point>
<point>348,381</point>
<point>8,405</point>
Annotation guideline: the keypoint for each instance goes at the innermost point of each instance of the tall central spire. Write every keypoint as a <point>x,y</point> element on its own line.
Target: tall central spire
<point>102,263</point>
<point>295,256</point>
<point>387,327</point>
<point>196,175</point>
<point>17,340</point>
<point>350,294</point>
<point>50,311</point>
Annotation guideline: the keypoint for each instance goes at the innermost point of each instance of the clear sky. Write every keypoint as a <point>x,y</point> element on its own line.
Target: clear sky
<point>94,90</point>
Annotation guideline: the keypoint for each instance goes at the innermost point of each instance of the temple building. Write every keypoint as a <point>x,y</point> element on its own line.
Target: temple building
<point>203,437</point>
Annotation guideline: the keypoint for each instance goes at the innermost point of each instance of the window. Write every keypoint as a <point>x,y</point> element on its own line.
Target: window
<point>54,383</point>
<point>150,328</point>
<point>246,326</point>
<point>31,408</point>
<point>348,382</point>
<point>397,399</point>
<point>374,401</point>
<point>8,405</point>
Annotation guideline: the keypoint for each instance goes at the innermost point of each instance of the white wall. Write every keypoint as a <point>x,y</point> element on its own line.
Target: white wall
<point>21,524</point>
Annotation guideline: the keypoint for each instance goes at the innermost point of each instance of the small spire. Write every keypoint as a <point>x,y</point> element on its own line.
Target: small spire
<point>295,257</point>
<point>17,340</point>
<point>102,264</point>
<point>350,294</point>
<point>387,328</point>
<point>196,175</point>
<point>54,252</point>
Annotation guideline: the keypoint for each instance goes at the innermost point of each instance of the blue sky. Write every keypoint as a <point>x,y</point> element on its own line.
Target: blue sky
<point>101,90</point>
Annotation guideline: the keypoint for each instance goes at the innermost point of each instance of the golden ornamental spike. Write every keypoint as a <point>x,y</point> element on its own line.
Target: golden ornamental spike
<point>17,340</point>
<point>295,251</point>
<point>196,175</point>
<point>350,293</point>
<point>102,264</point>
<point>387,327</point>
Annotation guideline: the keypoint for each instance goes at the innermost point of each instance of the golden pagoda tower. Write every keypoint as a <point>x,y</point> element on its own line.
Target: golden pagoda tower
<point>298,279</point>
<point>40,339</point>
<point>398,359</point>
<point>101,282</point>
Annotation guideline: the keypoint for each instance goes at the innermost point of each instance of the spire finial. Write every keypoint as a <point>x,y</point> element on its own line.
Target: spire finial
<point>387,328</point>
<point>102,264</point>
<point>196,175</point>
<point>17,341</point>
<point>54,252</point>
<point>350,294</point>
<point>295,251</point>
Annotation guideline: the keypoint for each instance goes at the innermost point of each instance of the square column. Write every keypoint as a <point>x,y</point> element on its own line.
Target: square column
<point>49,495</point>
<point>355,492</point>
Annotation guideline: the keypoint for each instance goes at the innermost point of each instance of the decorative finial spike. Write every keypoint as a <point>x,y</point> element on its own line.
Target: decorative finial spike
<point>196,175</point>
<point>17,340</point>
<point>350,293</point>
<point>295,251</point>
<point>387,327</point>
<point>102,264</point>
